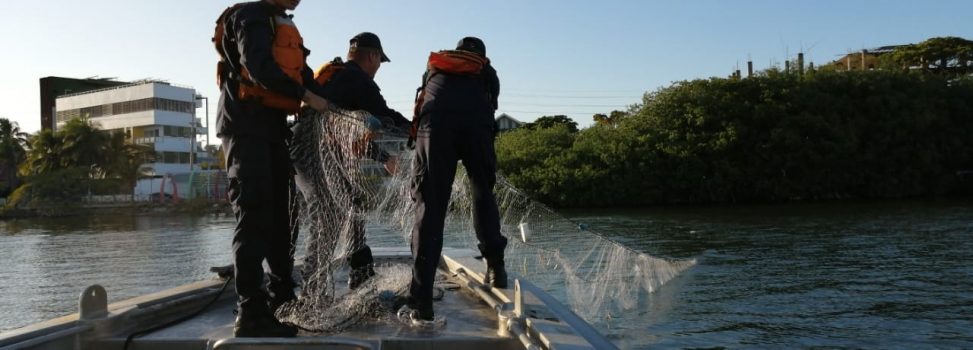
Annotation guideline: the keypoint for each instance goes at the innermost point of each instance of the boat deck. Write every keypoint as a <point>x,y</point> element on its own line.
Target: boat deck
<point>470,309</point>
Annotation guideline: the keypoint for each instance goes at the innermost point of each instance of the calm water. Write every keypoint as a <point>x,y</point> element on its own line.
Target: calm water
<point>892,275</point>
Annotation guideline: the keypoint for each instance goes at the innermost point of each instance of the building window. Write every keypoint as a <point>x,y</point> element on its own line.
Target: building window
<point>176,131</point>
<point>173,157</point>
<point>170,157</point>
<point>145,104</point>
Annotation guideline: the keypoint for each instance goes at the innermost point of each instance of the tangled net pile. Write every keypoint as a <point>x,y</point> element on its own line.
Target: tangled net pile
<point>341,190</point>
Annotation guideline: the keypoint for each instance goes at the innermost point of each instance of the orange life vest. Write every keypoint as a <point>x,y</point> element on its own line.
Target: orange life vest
<point>322,76</point>
<point>457,62</point>
<point>327,71</point>
<point>288,53</point>
<point>445,61</point>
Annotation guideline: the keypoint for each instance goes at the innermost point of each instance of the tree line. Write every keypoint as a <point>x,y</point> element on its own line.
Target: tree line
<point>770,138</point>
<point>59,167</point>
<point>949,56</point>
<point>901,130</point>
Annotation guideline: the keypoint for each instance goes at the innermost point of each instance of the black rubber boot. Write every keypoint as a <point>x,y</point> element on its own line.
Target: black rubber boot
<point>276,301</point>
<point>496,274</point>
<point>359,275</point>
<point>361,267</point>
<point>259,322</point>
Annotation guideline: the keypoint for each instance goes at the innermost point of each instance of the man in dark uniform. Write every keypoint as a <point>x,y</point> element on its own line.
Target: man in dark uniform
<point>456,124</point>
<point>258,91</point>
<point>354,88</point>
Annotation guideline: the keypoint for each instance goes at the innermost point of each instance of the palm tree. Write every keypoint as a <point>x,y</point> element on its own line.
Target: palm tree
<point>124,160</point>
<point>12,153</point>
<point>84,145</point>
<point>44,154</point>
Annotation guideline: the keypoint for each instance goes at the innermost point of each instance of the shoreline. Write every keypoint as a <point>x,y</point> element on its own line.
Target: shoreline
<point>200,207</point>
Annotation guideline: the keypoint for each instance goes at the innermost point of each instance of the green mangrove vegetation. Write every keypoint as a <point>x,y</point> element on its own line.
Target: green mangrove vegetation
<point>773,137</point>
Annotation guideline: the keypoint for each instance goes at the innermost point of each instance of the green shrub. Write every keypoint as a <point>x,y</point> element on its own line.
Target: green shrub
<point>773,137</point>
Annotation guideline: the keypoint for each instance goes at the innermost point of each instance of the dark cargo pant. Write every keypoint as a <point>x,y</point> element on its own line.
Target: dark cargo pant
<point>434,168</point>
<point>330,195</point>
<point>259,190</point>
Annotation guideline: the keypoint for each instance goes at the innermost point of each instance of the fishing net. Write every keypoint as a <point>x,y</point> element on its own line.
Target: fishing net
<point>343,191</point>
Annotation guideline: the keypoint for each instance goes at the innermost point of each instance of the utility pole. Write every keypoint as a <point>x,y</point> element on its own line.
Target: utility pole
<point>192,134</point>
<point>206,108</point>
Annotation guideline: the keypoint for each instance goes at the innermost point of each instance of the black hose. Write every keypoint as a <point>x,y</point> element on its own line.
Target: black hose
<point>128,341</point>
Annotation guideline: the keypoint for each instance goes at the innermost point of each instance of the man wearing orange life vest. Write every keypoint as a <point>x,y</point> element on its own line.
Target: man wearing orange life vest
<point>263,77</point>
<point>352,86</point>
<point>453,122</point>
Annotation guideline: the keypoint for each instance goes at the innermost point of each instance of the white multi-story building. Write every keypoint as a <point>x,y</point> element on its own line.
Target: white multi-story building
<point>153,113</point>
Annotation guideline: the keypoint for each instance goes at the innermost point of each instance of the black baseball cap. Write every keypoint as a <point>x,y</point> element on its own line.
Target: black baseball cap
<point>472,44</point>
<point>366,39</point>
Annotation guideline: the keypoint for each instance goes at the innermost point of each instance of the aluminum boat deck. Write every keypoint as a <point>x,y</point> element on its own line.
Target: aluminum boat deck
<point>532,319</point>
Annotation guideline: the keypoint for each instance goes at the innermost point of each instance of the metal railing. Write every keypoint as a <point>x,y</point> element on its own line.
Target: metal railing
<point>125,86</point>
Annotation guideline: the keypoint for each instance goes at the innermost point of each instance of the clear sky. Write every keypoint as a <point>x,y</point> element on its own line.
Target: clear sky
<point>569,57</point>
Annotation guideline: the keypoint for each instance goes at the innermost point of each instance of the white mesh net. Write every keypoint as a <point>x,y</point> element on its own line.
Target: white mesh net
<point>341,189</point>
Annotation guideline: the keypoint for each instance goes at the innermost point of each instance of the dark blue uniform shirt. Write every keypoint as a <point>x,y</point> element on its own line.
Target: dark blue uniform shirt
<point>248,42</point>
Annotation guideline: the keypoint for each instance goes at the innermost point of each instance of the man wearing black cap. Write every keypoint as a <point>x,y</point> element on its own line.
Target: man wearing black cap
<point>354,88</point>
<point>455,111</point>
